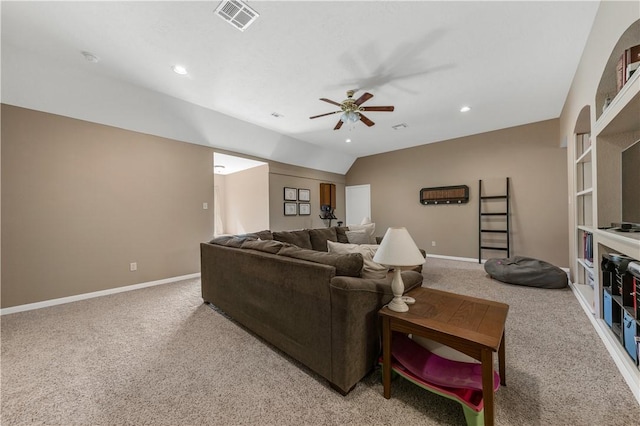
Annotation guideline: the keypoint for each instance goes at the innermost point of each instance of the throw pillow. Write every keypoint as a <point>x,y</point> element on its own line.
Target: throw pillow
<point>297,238</point>
<point>348,265</point>
<point>369,228</point>
<point>370,269</point>
<point>358,237</point>
<point>319,238</point>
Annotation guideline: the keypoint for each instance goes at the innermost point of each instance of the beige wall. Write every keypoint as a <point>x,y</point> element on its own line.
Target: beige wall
<point>281,175</point>
<point>246,200</point>
<point>530,155</point>
<point>81,201</point>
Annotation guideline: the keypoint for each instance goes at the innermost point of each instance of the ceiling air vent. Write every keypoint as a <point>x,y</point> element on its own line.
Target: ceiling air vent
<point>237,13</point>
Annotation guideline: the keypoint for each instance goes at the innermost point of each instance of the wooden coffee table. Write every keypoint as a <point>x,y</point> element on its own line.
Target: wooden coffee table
<point>473,326</point>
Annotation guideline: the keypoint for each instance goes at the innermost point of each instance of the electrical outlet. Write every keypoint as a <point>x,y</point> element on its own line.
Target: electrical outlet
<point>433,243</point>
<point>133,266</point>
<point>205,206</point>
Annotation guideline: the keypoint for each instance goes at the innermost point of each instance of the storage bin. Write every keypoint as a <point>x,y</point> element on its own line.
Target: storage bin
<point>606,305</point>
<point>629,335</point>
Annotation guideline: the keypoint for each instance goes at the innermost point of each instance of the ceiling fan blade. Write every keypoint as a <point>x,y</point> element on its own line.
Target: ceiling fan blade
<point>322,115</point>
<point>366,121</point>
<point>338,125</point>
<point>377,108</point>
<point>364,98</point>
<point>330,101</point>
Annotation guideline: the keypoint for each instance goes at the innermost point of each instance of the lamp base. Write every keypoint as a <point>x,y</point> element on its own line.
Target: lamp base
<point>398,305</point>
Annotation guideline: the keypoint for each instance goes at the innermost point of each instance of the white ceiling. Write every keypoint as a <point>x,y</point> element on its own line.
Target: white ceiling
<point>512,62</point>
<point>224,164</point>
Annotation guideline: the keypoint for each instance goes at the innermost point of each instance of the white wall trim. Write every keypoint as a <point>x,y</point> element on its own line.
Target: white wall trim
<point>78,297</point>
<point>462,259</point>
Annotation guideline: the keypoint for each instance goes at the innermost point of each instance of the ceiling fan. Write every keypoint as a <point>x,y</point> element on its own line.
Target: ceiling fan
<point>352,110</point>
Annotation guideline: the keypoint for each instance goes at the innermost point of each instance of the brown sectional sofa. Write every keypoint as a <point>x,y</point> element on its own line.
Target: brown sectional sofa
<point>311,304</point>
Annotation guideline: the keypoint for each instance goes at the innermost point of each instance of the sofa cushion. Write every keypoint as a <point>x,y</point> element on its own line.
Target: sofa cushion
<point>370,269</point>
<point>231,240</point>
<point>341,233</point>
<point>348,265</point>
<point>369,228</point>
<point>268,246</point>
<point>264,235</point>
<point>298,238</point>
<point>319,238</point>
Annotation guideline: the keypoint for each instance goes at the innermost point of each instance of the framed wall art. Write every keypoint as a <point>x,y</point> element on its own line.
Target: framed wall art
<point>304,209</point>
<point>290,194</point>
<point>290,209</point>
<point>304,195</point>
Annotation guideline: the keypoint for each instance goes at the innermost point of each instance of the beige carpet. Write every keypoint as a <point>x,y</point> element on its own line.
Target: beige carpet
<point>158,356</point>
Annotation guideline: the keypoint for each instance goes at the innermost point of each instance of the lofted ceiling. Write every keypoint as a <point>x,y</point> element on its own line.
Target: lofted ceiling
<point>512,62</point>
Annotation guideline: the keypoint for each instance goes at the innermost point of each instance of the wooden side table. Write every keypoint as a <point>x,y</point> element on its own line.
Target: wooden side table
<point>475,327</point>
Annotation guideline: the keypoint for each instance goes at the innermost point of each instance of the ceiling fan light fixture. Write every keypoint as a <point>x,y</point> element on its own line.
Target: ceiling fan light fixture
<point>350,116</point>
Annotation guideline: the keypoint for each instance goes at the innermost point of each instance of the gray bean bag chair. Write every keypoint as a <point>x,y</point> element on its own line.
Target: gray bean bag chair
<point>526,271</point>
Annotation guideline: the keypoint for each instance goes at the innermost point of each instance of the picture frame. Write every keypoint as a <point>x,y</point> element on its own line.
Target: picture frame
<point>290,209</point>
<point>304,194</point>
<point>290,194</point>
<point>304,209</point>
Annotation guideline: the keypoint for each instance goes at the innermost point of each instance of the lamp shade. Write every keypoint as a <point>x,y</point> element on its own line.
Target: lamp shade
<point>398,249</point>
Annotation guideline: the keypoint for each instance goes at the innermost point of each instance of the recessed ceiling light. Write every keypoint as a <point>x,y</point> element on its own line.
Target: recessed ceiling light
<point>348,141</point>
<point>90,57</point>
<point>179,69</point>
<point>465,108</point>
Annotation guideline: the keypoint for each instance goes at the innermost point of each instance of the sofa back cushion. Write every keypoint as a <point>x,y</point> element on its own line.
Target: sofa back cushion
<point>231,240</point>
<point>298,238</point>
<point>370,268</point>
<point>263,235</point>
<point>268,246</point>
<point>341,233</point>
<point>348,265</point>
<point>320,236</point>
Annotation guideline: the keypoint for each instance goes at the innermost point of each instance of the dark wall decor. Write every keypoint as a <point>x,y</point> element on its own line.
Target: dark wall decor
<point>457,194</point>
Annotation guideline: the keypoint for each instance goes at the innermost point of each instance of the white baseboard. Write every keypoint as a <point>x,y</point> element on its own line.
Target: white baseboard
<point>462,259</point>
<point>62,300</point>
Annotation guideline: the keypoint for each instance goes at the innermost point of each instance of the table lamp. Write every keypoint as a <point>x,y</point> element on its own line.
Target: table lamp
<point>396,250</point>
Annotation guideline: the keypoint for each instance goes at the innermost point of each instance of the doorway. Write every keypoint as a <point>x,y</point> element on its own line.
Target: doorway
<point>358,203</point>
<point>240,194</point>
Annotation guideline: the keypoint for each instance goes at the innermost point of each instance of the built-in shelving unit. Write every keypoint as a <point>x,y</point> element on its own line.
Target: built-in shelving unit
<point>601,134</point>
<point>584,280</point>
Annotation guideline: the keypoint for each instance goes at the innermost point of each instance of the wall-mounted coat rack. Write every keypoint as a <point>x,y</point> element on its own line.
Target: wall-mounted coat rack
<point>458,194</point>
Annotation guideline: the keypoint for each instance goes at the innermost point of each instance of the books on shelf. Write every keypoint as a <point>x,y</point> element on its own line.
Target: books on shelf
<point>628,63</point>
<point>587,244</point>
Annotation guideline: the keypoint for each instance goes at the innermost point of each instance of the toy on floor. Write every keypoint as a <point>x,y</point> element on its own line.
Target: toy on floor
<point>458,381</point>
